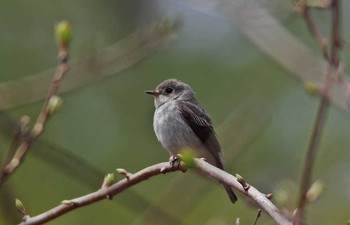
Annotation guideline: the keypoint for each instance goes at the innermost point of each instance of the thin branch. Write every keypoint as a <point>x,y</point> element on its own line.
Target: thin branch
<point>310,159</point>
<point>258,215</point>
<point>43,117</point>
<point>315,31</point>
<point>144,174</point>
<point>16,137</point>
<point>333,68</point>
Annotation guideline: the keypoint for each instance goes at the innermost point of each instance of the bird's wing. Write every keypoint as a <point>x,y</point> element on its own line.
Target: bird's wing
<point>200,123</point>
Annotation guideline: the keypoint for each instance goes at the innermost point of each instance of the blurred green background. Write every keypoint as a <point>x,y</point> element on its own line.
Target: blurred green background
<point>262,114</point>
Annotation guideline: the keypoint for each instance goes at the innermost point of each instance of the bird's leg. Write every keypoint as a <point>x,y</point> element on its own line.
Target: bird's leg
<point>174,161</point>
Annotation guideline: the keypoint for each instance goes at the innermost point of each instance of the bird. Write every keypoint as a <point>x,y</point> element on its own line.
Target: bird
<point>180,123</point>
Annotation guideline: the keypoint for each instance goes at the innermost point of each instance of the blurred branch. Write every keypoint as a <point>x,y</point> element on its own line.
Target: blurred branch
<point>112,60</point>
<point>332,56</point>
<point>211,171</point>
<point>47,109</point>
<point>271,37</point>
<point>314,30</point>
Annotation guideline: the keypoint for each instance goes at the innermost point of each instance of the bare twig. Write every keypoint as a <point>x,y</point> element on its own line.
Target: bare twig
<point>144,174</point>
<point>44,114</point>
<point>315,31</point>
<point>258,215</point>
<point>310,159</point>
<point>333,64</point>
<point>16,137</point>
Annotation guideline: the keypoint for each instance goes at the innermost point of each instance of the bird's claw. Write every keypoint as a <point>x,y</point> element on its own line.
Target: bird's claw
<point>174,161</point>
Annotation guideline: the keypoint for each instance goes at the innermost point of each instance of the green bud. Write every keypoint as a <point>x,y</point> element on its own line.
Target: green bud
<point>240,178</point>
<point>315,191</point>
<point>63,32</point>
<point>20,206</point>
<point>187,157</point>
<point>55,104</point>
<point>312,88</point>
<point>109,179</point>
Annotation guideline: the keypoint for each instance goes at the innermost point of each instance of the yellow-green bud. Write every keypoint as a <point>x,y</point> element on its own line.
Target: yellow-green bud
<point>240,178</point>
<point>55,104</point>
<point>312,88</point>
<point>187,157</point>
<point>20,206</point>
<point>315,191</point>
<point>63,32</point>
<point>109,179</point>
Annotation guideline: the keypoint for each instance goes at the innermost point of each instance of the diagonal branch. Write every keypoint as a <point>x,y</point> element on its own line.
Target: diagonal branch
<point>211,171</point>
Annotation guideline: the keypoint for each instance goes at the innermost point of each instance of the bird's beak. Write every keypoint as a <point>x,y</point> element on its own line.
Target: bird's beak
<point>152,92</point>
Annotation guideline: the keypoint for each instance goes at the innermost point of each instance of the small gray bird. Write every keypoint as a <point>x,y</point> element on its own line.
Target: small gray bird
<point>181,123</point>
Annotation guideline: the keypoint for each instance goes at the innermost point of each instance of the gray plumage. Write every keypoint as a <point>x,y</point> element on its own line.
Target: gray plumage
<point>181,123</point>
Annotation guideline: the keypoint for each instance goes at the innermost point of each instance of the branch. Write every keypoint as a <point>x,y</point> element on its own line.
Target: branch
<point>211,171</point>
<point>314,30</point>
<point>46,110</point>
<point>333,70</point>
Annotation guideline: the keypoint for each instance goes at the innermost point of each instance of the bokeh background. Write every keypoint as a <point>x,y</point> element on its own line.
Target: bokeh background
<point>261,112</point>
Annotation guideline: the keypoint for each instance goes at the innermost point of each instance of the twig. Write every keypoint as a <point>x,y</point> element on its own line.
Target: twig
<point>16,137</point>
<point>314,30</point>
<point>144,174</point>
<point>44,115</point>
<point>258,215</point>
<point>333,64</point>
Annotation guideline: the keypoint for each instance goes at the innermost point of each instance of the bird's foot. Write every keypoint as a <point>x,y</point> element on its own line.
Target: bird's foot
<point>174,161</point>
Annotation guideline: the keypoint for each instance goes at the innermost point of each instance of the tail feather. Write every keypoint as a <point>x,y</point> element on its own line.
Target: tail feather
<point>230,193</point>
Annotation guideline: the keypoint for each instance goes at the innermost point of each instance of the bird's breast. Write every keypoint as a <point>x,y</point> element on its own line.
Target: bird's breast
<point>172,131</point>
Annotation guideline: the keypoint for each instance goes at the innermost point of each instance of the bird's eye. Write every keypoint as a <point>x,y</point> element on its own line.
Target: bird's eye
<point>169,90</point>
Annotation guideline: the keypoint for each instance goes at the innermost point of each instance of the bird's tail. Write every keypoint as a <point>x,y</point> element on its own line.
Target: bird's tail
<point>230,193</point>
